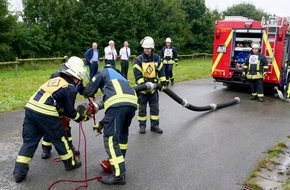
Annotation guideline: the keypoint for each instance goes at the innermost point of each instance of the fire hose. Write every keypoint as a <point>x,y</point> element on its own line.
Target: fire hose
<point>280,94</point>
<point>149,86</point>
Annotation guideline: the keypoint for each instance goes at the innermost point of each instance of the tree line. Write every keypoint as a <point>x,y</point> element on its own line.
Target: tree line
<point>68,27</point>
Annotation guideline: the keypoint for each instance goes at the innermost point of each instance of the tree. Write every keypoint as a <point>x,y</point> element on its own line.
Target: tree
<point>201,26</point>
<point>7,22</point>
<point>247,10</point>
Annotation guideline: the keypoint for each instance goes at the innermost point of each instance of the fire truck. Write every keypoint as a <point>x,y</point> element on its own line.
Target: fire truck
<point>232,44</point>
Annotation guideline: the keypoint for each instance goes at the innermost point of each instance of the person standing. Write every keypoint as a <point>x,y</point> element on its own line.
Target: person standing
<point>169,57</point>
<point>255,69</point>
<point>148,68</point>
<point>92,57</point>
<point>120,104</point>
<point>125,53</point>
<point>110,53</point>
<point>53,100</point>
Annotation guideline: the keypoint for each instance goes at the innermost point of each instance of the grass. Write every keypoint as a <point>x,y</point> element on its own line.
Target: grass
<point>271,153</point>
<point>17,88</point>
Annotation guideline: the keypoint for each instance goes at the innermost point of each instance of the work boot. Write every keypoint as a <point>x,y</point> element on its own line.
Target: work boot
<point>172,82</point>
<point>261,99</point>
<point>114,180</point>
<point>45,154</point>
<point>142,129</point>
<point>77,165</point>
<point>156,129</point>
<point>253,98</point>
<point>20,172</point>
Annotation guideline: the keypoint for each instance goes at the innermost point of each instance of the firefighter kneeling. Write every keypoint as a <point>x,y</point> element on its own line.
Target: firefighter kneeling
<point>255,69</point>
<point>53,100</point>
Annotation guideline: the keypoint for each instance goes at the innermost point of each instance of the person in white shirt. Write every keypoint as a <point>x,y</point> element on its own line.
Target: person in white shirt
<point>110,53</point>
<point>125,53</point>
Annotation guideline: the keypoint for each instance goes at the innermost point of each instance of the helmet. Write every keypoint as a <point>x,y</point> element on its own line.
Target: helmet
<point>75,67</point>
<point>168,40</point>
<point>74,60</point>
<point>147,42</point>
<point>255,45</point>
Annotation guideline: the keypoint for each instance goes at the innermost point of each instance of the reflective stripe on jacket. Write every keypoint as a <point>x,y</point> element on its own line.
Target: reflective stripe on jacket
<point>115,88</point>
<point>256,66</point>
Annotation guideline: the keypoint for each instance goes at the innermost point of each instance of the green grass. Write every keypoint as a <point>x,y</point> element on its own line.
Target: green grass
<point>271,153</point>
<point>16,88</point>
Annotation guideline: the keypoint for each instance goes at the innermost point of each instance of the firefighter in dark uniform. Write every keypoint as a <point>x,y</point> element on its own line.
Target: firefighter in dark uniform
<point>65,121</point>
<point>43,112</point>
<point>168,58</point>
<point>120,104</point>
<point>148,68</point>
<point>255,69</point>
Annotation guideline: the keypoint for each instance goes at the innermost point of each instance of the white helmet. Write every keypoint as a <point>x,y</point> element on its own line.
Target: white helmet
<point>255,45</point>
<point>147,42</point>
<point>75,68</point>
<point>74,60</point>
<point>168,40</point>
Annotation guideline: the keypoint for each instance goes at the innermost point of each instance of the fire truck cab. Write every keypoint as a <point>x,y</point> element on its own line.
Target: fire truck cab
<point>232,44</point>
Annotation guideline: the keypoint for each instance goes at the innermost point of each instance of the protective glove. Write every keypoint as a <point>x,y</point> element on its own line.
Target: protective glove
<point>85,111</point>
<point>163,85</point>
<point>264,75</point>
<point>99,127</point>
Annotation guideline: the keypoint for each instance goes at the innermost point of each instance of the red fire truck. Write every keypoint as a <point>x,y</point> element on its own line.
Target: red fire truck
<point>232,44</point>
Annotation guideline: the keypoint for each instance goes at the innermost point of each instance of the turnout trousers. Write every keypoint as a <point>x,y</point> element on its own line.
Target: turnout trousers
<point>168,68</point>
<point>116,130</point>
<point>34,127</point>
<point>257,87</point>
<point>46,143</point>
<point>153,100</point>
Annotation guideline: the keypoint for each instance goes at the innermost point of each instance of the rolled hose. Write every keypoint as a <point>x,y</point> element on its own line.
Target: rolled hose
<point>151,86</point>
<point>280,94</point>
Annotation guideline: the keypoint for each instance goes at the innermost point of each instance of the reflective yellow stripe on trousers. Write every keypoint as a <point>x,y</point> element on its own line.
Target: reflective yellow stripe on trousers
<point>115,161</point>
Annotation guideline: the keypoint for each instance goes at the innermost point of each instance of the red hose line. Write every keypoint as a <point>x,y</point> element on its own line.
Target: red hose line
<point>86,180</point>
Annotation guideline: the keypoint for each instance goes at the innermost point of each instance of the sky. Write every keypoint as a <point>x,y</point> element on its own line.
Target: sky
<point>277,7</point>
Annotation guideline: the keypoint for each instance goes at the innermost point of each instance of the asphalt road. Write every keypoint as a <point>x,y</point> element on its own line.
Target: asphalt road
<point>198,150</point>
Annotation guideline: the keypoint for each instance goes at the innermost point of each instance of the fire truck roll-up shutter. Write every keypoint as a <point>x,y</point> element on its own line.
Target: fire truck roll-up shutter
<point>271,54</point>
<point>221,54</point>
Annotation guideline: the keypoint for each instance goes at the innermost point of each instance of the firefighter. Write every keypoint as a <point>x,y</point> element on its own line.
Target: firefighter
<point>43,112</point>
<point>255,69</point>
<point>169,57</point>
<point>65,121</point>
<point>120,103</point>
<point>149,68</point>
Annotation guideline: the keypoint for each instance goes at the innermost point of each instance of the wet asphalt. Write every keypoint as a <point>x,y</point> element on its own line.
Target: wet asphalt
<point>212,150</point>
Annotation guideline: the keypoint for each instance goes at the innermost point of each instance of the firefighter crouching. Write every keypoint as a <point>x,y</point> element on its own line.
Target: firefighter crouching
<point>255,69</point>
<point>168,58</point>
<point>120,104</point>
<point>43,112</point>
<point>148,68</point>
<point>65,121</point>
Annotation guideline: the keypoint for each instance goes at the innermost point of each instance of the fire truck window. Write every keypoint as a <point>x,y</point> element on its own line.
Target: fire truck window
<point>221,49</point>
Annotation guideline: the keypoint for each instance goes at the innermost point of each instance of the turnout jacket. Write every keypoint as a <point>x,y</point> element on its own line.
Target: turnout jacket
<point>55,98</point>
<point>115,88</point>
<point>169,55</point>
<point>256,66</point>
<point>148,69</point>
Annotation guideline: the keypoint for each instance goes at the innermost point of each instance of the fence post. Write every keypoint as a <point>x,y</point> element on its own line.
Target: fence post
<point>16,66</point>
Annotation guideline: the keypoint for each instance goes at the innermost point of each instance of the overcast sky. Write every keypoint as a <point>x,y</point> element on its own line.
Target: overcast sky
<point>278,7</point>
